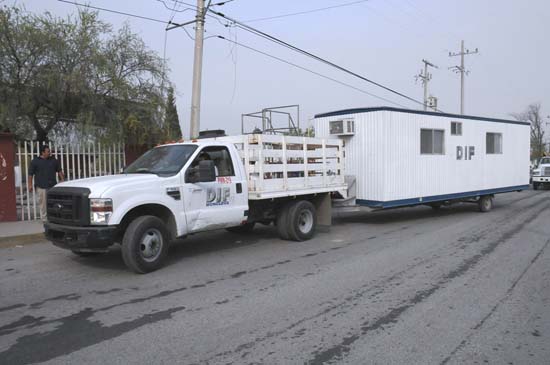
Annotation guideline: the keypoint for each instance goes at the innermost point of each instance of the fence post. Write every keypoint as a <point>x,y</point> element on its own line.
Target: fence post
<point>8,205</point>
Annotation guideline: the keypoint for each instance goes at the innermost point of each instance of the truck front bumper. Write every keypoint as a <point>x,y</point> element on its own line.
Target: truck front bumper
<point>85,239</point>
<point>541,179</point>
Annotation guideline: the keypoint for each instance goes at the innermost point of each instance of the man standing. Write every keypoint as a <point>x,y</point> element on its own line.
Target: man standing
<point>43,169</point>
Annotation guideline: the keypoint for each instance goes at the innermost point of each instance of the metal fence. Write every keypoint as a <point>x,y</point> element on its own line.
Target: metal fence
<point>77,161</point>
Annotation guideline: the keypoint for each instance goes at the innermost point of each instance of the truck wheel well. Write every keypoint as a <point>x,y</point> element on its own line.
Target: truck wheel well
<point>156,210</point>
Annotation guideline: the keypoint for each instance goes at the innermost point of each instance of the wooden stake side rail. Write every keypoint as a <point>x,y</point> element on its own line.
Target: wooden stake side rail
<point>282,166</point>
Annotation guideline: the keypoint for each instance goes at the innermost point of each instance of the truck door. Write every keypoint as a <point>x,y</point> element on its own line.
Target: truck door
<point>217,204</point>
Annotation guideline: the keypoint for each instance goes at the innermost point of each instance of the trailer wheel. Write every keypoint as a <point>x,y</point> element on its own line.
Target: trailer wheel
<point>243,228</point>
<point>485,203</point>
<point>436,206</point>
<point>145,244</point>
<point>302,220</point>
<point>282,221</point>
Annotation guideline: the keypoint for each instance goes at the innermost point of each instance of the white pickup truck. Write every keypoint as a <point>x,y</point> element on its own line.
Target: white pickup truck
<point>541,174</point>
<point>179,189</point>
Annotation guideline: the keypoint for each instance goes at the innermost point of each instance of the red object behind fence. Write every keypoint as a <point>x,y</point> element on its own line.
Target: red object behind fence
<point>8,208</point>
<point>132,152</point>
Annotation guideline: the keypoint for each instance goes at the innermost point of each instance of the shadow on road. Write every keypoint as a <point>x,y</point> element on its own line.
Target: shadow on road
<point>194,245</point>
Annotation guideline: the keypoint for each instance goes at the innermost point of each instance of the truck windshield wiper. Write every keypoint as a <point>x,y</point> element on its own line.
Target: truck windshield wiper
<point>143,170</point>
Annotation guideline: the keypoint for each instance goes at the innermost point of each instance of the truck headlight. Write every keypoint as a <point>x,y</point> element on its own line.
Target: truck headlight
<point>100,211</point>
<point>537,172</point>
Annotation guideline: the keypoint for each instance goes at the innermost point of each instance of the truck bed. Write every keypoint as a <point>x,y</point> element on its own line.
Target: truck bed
<point>282,166</point>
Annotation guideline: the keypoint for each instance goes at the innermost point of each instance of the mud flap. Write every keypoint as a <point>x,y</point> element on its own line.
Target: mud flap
<point>323,205</point>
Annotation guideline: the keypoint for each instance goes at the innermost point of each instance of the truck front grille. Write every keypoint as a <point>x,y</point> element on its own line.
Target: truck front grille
<point>546,171</point>
<point>68,205</point>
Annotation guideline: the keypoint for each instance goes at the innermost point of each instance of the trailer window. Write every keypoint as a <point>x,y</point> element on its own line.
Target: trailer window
<point>493,143</point>
<point>432,141</point>
<point>456,128</point>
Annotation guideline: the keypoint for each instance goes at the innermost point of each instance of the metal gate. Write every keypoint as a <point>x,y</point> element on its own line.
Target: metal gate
<point>77,161</point>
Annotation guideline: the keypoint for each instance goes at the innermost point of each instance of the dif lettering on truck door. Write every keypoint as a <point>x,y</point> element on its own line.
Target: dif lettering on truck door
<point>215,204</point>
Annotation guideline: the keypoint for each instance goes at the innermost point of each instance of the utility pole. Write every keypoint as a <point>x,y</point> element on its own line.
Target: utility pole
<point>425,78</point>
<point>462,70</point>
<point>197,70</point>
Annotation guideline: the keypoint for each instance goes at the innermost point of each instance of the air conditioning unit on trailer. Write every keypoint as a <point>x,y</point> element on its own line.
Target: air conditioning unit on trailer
<point>342,127</point>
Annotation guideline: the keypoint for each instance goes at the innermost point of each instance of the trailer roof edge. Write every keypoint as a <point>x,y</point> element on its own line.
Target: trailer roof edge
<point>412,111</point>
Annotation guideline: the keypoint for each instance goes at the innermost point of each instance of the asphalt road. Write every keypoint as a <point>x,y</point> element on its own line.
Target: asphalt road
<point>402,286</point>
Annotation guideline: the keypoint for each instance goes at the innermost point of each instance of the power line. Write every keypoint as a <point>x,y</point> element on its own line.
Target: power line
<point>177,2</point>
<point>169,22</point>
<point>309,54</point>
<point>308,70</point>
<point>305,11</point>
<point>263,35</point>
<point>114,11</point>
<point>175,10</point>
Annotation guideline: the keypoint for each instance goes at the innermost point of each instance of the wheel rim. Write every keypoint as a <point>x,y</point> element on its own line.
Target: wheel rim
<point>305,221</point>
<point>487,203</point>
<point>151,244</point>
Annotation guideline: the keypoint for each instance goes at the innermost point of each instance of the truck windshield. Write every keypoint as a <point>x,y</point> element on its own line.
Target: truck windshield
<point>165,160</point>
<point>545,161</point>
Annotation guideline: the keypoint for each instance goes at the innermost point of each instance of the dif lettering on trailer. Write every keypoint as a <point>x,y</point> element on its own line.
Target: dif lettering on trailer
<point>465,153</point>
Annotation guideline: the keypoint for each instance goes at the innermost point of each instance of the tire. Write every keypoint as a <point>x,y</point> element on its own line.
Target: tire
<point>87,254</point>
<point>436,206</point>
<point>535,186</point>
<point>302,221</point>
<point>244,228</point>
<point>145,244</point>
<point>485,203</point>
<point>282,221</point>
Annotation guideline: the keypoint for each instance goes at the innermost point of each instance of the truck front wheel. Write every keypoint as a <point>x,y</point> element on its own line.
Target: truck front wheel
<point>145,244</point>
<point>535,185</point>
<point>485,203</point>
<point>302,220</point>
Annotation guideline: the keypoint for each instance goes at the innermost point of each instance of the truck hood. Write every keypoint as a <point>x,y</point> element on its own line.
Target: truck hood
<point>99,185</point>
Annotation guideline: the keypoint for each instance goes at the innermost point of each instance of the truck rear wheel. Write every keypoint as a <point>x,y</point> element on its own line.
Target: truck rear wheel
<point>302,220</point>
<point>485,203</point>
<point>282,221</point>
<point>145,244</point>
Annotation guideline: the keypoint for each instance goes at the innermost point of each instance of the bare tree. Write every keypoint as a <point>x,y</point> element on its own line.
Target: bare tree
<point>533,116</point>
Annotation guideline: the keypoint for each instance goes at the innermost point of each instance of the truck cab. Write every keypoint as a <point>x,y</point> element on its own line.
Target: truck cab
<point>541,174</point>
<point>170,191</point>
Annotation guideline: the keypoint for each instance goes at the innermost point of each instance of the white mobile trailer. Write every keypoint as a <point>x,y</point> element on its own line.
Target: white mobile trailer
<point>401,157</point>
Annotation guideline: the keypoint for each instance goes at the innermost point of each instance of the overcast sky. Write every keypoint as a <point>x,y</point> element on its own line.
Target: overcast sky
<point>384,40</point>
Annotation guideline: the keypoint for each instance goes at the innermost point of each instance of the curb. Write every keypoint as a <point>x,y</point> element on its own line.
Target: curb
<point>27,239</point>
